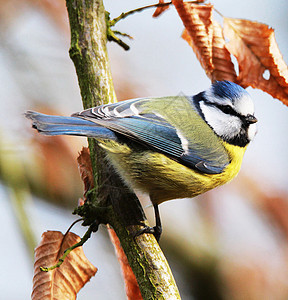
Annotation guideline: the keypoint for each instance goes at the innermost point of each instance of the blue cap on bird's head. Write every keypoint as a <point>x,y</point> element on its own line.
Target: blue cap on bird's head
<point>229,110</point>
<point>227,89</point>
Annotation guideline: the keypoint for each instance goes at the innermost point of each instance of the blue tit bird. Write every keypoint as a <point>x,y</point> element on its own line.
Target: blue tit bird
<point>168,147</point>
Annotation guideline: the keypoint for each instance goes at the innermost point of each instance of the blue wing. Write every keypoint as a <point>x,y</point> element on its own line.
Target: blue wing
<point>57,125</point>
<point>158,123</point>
<point>170,125</point>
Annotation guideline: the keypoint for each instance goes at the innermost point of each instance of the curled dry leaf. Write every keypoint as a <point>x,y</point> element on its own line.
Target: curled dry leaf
<point>255,47</point>
<point>85,169</point>
<point>131,285</point>
<point>160,9</point>
<point>223,68</point>
<point>205,36</point>
<point>63,282</point>
<point>198,24</point>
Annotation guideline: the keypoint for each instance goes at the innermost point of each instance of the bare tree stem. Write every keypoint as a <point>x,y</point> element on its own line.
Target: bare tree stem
<point>124,213</point>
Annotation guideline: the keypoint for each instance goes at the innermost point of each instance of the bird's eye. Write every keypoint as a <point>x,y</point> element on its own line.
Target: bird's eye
<point>227,109</point>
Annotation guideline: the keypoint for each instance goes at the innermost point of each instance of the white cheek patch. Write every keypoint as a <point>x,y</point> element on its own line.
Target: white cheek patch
<point>224,125</point>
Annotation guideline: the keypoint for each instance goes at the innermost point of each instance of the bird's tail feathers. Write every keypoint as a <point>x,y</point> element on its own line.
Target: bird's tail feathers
<point>58,125</point>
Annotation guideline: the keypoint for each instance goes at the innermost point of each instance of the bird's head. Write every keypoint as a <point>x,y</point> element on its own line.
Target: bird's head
<point>229,110</point>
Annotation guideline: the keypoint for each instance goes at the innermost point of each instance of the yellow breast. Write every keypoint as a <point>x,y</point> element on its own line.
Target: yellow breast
<point>165,179</point>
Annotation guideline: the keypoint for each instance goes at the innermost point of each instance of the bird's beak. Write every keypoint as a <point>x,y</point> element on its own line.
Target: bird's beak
<point>250,119</point>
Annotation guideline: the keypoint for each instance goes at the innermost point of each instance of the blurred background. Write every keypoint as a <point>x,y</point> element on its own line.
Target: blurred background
<point>231,243</point>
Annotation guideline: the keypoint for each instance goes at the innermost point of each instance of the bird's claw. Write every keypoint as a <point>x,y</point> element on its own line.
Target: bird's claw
<point>156,231</point>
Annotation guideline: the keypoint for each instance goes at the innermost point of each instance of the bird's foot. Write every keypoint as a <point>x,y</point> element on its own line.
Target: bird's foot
<point>156,231</point>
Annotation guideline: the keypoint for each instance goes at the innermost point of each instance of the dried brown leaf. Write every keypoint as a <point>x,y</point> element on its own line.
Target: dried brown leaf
<point>160,9</point>
<point>205,36</point>
<point>255,47</point>
<point>197,20</point>
<point>131,285</point>
<point>85,169</point>
<point>223,68</point>
<point>63,282</point>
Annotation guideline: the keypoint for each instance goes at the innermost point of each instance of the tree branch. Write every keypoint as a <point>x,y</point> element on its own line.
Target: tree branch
<point>89,54</point>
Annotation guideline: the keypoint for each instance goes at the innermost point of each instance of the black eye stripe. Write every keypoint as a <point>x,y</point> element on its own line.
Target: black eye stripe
<point>227,109</point>
<point>230,111</point>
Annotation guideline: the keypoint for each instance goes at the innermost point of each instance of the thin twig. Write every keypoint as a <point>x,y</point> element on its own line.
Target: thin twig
<point>68,250</point>
<point>70,227</point>
<point>139,9</point>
